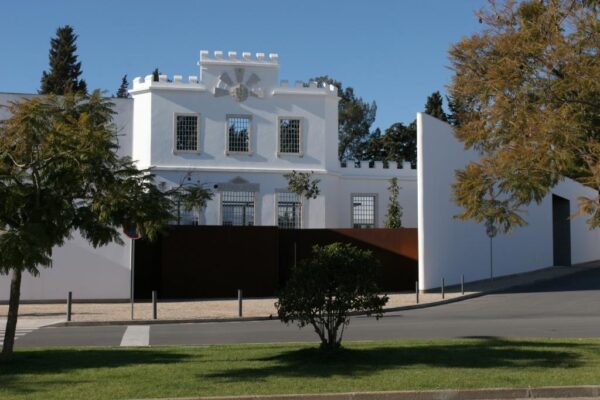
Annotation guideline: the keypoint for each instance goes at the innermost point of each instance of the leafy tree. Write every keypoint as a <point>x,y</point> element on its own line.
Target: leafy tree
<point>325,288</point>
<point>400,143</point>
<point>59,172</point>
<point>435,106</point>
<point>529,90</point>
<point>64,67</point>
<point>122,93</point>
<point>393,219</point>
<point>303,185</point>
<point>355,119</point>
<point>190,198</point>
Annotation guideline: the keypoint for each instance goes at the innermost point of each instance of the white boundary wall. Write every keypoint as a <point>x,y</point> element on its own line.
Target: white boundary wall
<point>449,247</point>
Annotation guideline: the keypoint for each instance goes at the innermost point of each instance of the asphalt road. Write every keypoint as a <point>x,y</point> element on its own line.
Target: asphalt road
<point>565,307</point>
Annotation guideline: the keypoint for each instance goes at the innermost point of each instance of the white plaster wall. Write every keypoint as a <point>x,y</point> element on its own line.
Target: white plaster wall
<point>449,247</point>
<point>90,273</point>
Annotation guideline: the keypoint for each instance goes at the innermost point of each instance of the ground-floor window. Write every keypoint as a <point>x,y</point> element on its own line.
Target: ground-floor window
<point>363,210</point>
<point>289,211</point>
<point>238,208</point>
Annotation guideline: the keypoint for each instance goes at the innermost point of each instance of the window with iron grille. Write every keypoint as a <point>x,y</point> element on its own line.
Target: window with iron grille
<point>238,208</point>
<point>363,210</point>
<point>186,133</point>
<point>289,135</point>
<point>289,210</point>
<point>238,134</point>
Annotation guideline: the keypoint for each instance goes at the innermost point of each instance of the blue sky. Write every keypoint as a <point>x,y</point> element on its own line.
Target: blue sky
<point>393,52</point>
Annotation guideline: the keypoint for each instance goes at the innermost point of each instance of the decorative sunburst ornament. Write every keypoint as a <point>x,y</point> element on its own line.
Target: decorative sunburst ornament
<point>239,90</point>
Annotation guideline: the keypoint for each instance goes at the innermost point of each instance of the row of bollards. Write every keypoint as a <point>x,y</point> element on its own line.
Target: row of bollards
<point>442,288</point>
<point>154,305</point>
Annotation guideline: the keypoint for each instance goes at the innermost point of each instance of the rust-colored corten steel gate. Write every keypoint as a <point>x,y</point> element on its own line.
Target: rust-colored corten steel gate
<point>215,261</point>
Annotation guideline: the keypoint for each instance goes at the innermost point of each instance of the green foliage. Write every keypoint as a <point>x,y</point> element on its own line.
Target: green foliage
<point>64,68</point>
<point>400,143</point>
<point>434,106</point>
<point>122,92</point>
<point>355,119</point>
<point>303,185</point>
<point>526,91</point>
<point>155,75</point>
<point>393,219</point>
<point>325,288</point>
<point>59,172</point>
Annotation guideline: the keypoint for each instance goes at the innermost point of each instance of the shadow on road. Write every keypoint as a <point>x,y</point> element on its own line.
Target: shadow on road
<point>481,354</point>
<point>579,281</point>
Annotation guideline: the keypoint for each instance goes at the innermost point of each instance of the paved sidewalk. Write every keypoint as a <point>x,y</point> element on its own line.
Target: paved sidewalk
<point>265,307</point>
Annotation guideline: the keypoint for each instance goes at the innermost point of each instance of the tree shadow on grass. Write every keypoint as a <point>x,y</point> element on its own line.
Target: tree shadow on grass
<point>358,362</point>
<point>27,363</point>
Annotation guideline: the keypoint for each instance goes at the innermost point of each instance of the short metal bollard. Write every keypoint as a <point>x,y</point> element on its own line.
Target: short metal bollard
<point>154,305</point>
<point>443,294</point>
<point>417,291</point>
<point>69,305</point>
<point>240,303</point>
<point>462,284</point>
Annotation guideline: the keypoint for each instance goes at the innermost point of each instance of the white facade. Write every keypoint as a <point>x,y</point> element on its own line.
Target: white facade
<point>212,101</point>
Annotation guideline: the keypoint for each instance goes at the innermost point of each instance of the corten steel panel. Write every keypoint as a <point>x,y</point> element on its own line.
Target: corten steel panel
<point>396,250</point>
<point>215,261</point>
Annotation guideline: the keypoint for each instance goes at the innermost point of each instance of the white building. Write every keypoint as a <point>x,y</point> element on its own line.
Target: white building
<point>238,129</point>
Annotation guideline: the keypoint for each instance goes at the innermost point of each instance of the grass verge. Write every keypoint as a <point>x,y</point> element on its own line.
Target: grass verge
<point>119,373</point>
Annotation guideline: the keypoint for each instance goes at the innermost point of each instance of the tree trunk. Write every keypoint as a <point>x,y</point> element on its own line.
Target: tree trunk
<point>13,312</point>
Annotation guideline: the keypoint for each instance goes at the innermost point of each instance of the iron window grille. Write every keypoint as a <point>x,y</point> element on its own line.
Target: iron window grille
<point>289,135</point>
<point>238,208</point>
<point>289,211</point>
<point>238,134</point>
<point>363,210</point>
<point>186,133</point>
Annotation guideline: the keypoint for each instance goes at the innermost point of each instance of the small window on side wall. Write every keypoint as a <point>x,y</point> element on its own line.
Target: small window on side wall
<point>290,136</point>
<point>364,210</point>
<point>186,133</point>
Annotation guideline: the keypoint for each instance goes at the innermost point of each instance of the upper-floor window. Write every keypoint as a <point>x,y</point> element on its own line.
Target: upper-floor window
<point>289,210</point>
<point>363,210</point>
<point>290,135</point>
<point>238,208</point>
<point>238,133</point>
<point>186,132</point>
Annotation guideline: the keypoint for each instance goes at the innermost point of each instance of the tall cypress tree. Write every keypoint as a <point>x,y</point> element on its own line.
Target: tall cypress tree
<point>64,67</point>
<point>434,107</point>
<point>122,93</point>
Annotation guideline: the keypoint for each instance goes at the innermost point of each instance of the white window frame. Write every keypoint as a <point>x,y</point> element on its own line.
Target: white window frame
<point>300,152</point>
<point>181,114</point>
<point>250,134</point>
<point>254,201</point>
<point>301,218</point>
<point>375,207</point>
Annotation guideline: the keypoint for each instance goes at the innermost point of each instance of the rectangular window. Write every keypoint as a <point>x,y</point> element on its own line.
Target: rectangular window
<point>238,134</point>
<point>289,136</point>
<point>186,133</point>
<point>238,208</point>
<point>363,210</point>
<point>289,210</point>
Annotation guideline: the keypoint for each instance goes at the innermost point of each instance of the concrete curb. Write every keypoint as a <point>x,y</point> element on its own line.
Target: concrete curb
<point>248,319</point>
<point>449,394</point>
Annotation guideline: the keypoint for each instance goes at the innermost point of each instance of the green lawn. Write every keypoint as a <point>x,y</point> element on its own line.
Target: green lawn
<point>114,373</point>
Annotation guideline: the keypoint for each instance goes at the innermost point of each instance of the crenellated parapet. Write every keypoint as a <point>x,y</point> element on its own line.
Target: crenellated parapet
<point>378,168</point>
<point>232,57</point>
<point>176,82</point>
